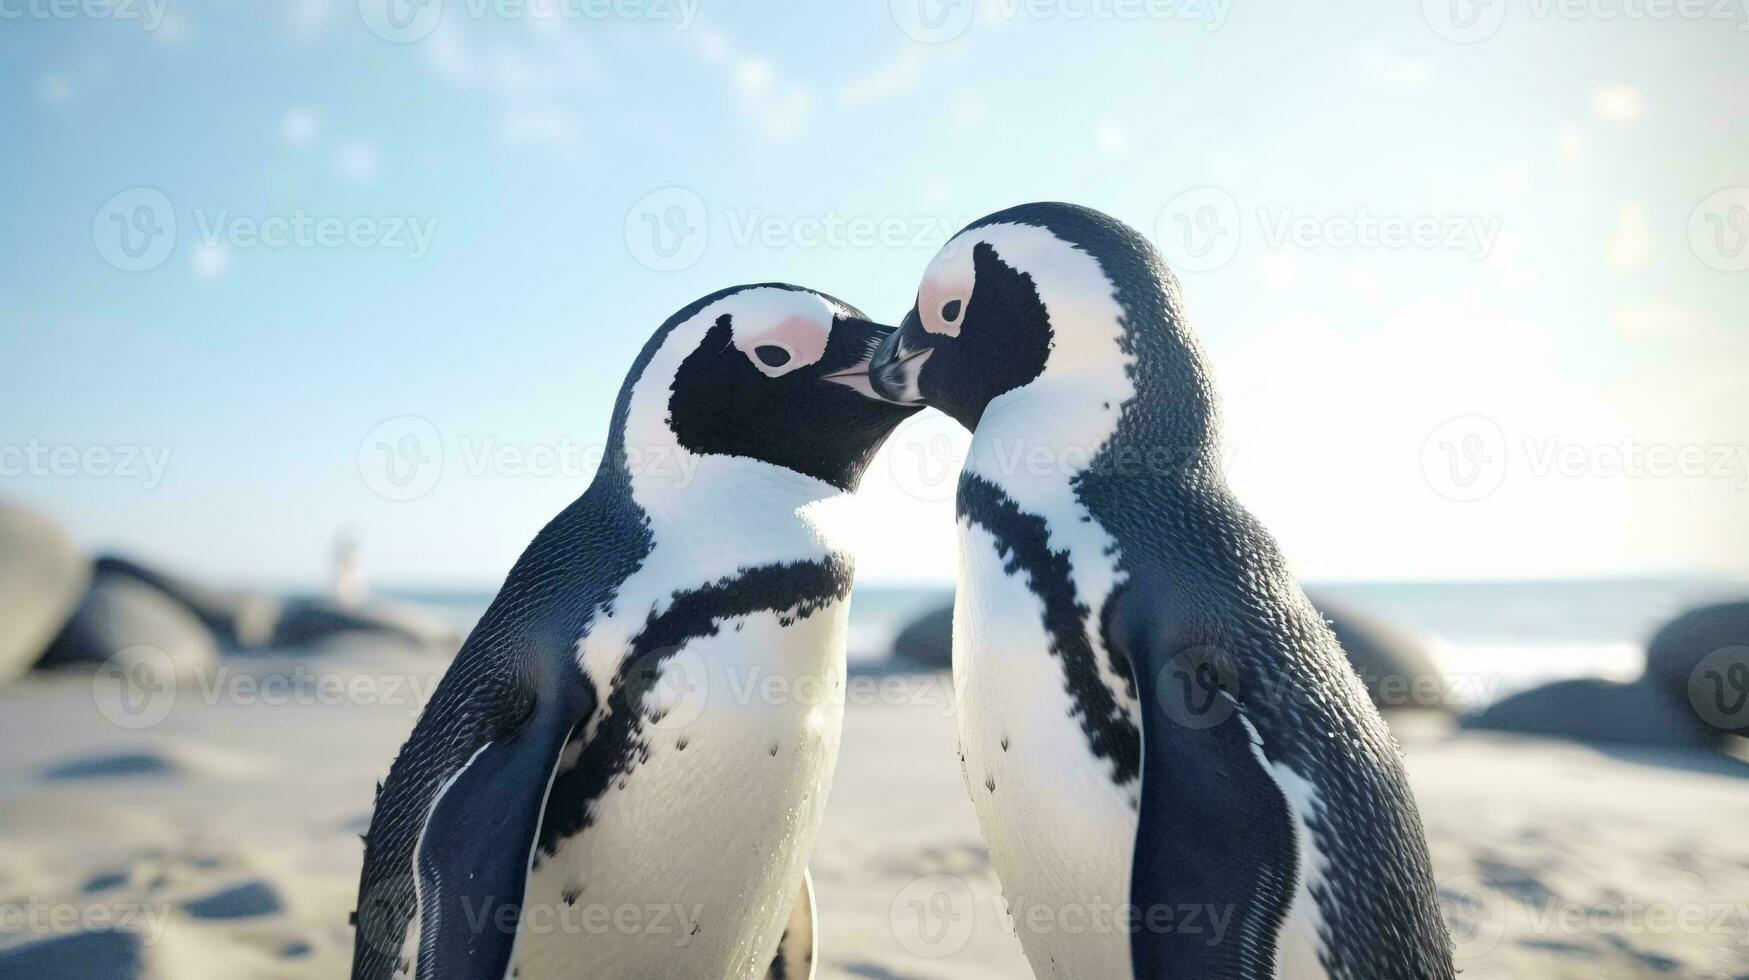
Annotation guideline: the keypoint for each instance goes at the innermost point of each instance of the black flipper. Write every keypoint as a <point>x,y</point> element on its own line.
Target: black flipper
<point>473,857</point>
<point>1214,869</point>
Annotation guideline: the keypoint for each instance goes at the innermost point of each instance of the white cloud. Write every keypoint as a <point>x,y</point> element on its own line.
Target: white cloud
<point>1620,104</point>
<point>211,261</point>
<point>895,77</point>
<point>1570,142</point>
<point>357,161</point>
<point>1631,245</point>
<point>1111,137</point>
<point>299,127</point>
<point>753,77</point>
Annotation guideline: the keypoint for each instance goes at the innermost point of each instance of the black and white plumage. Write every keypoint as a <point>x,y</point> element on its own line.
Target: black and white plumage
<point>622,772</point>
<point>1153,718</point>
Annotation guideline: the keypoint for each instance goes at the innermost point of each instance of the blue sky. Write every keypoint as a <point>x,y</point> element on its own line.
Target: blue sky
<point>1470,276</point>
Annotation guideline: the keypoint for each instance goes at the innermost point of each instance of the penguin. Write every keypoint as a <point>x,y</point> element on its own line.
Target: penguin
<point>622,771</point>
<point>1175,769</point>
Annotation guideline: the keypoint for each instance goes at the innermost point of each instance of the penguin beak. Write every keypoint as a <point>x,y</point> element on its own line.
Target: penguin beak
<point>899,361</point>
<point>868,336</point>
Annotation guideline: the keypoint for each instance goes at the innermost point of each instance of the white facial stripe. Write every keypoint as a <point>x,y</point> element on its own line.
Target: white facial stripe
<point>949,278</point>
<point>799,323</point>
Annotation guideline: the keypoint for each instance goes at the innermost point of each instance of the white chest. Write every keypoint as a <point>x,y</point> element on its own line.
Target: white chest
<point>1061,833</point>
<point>695,855</point>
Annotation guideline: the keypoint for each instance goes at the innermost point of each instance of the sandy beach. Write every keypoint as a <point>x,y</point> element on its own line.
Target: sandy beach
<point>224,835</point>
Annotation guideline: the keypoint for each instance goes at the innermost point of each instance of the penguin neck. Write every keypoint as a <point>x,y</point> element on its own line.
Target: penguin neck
<point>757,512</point>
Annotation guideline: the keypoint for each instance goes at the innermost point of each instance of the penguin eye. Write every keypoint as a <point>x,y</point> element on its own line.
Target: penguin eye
<point>950,310</point>
<point>771,355</point>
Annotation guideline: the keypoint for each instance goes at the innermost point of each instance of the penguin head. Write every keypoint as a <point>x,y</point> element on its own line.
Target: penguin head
<point>771,372</point>
<point>1037,290</point>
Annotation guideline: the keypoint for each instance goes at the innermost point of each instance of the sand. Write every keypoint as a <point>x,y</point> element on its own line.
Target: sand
<point>224,836</point>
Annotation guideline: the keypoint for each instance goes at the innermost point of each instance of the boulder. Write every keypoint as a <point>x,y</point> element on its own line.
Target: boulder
<point>123,618</point>
<point>238,620</point>
<point>1589,709</point>
<point>101,954</point>
<point>42,577</point>
<point>1392,662</point>
<point>927,641</point>
<point>1702,658</point>
<point>312,622</point>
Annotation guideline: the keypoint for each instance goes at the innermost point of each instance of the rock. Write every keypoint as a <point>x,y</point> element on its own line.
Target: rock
<point>247,900</point>
<point>1702,658</point>
<point>105,766</point>
<point>927,641</point>
<point>1392,662</point>
<point>103,954</point>
<point>309,622</point>
<point>1588,709</point>
<point>42,576</point>
<point>238,620</point>
<point>124,618</point>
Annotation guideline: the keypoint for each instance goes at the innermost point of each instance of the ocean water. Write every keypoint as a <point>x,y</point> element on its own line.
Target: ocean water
<point>1490,638</point>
